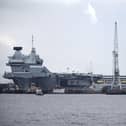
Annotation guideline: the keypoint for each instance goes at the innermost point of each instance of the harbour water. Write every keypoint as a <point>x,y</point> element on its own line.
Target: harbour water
<point>62,110</point>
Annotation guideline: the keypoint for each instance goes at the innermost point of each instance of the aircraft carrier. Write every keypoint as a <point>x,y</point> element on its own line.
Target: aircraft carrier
<point>28,71</point>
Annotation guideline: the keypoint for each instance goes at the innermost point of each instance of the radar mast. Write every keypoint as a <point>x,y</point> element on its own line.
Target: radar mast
<point>33,49</point>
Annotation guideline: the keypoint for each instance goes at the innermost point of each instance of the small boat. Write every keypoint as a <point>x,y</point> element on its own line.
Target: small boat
<point>39,91</point>
<point>58,91</point>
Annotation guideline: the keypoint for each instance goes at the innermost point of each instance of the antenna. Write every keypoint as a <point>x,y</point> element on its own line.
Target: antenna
<point>91,67</point>
<point>116,38</point>
<point>32,40</point>
<point>33,49</point>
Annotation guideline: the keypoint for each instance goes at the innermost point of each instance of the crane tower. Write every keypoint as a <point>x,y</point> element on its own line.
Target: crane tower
<point>116,74</point>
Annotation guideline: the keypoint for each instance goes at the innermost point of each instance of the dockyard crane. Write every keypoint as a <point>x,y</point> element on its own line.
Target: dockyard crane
<point>116,74</point>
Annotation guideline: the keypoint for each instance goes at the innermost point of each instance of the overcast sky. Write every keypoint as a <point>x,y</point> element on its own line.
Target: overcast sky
<point>77,34</point>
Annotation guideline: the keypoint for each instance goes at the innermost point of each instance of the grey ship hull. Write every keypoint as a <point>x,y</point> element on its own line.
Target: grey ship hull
<point>46,84</point>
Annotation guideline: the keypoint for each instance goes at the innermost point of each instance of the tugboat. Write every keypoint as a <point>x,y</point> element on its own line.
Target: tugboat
<point>39,91</point>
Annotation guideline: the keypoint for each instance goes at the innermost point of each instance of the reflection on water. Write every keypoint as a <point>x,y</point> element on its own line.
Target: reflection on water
<point>62,110</point>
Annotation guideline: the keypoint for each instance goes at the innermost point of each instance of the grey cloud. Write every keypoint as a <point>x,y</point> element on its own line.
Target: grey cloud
<point>110,1</point>
<point>34,3</point>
